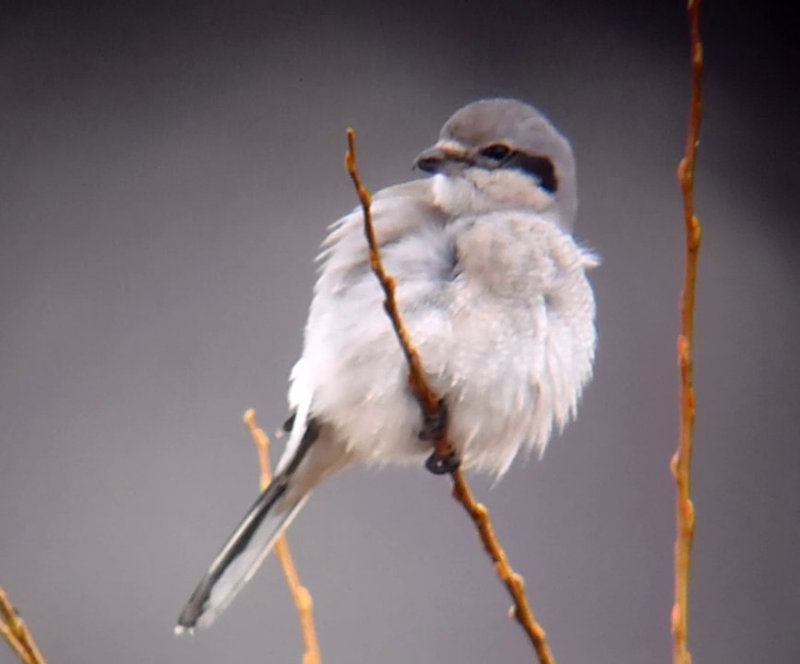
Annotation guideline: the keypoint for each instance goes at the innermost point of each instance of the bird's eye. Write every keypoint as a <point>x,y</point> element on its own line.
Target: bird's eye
<point>496,152</point>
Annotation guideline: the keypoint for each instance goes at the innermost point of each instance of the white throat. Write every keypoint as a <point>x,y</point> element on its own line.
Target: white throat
<point>477,191</point>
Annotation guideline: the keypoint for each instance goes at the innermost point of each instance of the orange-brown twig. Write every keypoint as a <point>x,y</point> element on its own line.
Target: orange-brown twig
<point>16,633</point>
<point>681,463</point>
<point>429,401</point>
<point>521,611</point>
<point>427,398</point>
<point>301,596</point>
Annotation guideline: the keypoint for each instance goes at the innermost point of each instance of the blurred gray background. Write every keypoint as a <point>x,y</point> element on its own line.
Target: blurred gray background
<point>167,172</point>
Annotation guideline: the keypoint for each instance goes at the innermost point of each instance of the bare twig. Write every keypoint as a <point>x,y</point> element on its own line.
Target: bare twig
<point>16,633</point>
<point>301,596</point>
<point>681,463</point>
<point>429,401</point>
<point>427,398</point>
<point>521,611</point>
<point>14,644</point>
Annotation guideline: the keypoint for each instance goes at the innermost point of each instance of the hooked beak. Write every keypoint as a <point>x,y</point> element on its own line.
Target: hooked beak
<point>442,159</point>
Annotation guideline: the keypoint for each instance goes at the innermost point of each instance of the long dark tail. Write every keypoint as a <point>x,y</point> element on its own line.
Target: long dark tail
<point>248,546</point>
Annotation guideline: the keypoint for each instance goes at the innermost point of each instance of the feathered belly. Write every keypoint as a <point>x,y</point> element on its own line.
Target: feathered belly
<point>506,379</point>
<point>510,362</point>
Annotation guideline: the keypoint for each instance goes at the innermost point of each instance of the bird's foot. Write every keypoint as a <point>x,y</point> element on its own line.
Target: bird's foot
<point>434,426</point>
<point>441,465</point>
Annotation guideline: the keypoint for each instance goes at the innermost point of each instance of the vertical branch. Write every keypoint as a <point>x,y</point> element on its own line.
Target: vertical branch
<point>681,463</point>
<point>301,596</point>
<point>430,403</point>
<point>15,632</point>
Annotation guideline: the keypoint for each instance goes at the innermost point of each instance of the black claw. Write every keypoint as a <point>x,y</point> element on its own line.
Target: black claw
<point>434,424</point>
<point>442,465</point>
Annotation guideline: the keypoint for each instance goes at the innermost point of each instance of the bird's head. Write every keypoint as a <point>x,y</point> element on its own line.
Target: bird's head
<point>501,153</point>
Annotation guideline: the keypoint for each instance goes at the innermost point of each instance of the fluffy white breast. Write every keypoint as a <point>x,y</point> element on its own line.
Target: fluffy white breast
<point>523,323</point>
<point>497,304</point>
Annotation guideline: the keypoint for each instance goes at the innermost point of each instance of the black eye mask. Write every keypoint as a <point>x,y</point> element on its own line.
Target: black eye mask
<point>539,167</point>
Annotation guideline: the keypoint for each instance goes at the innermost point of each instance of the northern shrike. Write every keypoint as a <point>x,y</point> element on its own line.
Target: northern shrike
<point>493,290</point>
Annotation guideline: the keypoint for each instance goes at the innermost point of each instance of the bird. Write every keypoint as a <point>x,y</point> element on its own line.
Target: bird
<point>493,290</point>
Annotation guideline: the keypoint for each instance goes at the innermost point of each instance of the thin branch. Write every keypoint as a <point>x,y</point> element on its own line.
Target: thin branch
<point>16,633</point>
<point>14,644</point>
<point>429,401</point>
<point>514,582</point>
<point>301,596</point>
<point>681,463</point>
